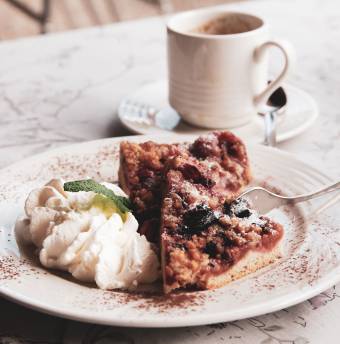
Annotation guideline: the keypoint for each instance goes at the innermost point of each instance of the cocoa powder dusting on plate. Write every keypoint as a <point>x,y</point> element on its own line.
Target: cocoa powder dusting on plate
<point>10,268</point>
<point>162,303</point>
<point>159,302</point>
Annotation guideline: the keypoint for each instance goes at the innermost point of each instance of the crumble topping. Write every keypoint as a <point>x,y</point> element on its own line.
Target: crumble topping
<point>218,159</point>
<point>141,172</point>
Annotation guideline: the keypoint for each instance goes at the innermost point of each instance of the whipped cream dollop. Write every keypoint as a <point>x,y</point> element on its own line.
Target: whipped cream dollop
<point>82,233</point>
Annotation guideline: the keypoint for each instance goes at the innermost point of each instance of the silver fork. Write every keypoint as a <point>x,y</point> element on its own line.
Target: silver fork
<point>264,200</point>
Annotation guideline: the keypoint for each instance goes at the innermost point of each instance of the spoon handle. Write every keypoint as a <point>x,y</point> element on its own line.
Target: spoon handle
<point>270,128</point>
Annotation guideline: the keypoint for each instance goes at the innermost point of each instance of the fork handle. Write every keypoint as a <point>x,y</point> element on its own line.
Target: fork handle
<point>323,191</point>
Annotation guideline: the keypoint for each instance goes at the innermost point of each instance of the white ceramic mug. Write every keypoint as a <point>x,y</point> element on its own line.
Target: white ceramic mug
<point>220,80</point>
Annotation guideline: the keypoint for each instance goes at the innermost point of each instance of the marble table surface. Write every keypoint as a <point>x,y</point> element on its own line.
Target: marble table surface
<point>65,88</point>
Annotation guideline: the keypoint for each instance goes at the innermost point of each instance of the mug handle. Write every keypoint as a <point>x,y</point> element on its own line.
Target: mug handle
<point>289,56</point>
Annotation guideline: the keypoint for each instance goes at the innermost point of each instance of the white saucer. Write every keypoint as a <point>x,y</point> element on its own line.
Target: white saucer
<point>300,114</point>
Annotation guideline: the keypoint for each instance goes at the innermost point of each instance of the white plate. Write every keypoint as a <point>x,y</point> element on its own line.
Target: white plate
<point>300,115</point>
<point>310,263</point>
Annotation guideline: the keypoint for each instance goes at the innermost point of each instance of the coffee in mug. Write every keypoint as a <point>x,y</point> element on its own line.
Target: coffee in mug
<point>227,24</point>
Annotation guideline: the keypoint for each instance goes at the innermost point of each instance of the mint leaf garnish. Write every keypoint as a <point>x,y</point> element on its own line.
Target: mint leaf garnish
<point>122,203</point>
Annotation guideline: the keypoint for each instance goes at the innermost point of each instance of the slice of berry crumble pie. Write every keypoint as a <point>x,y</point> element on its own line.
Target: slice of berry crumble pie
<point>184,199</point>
